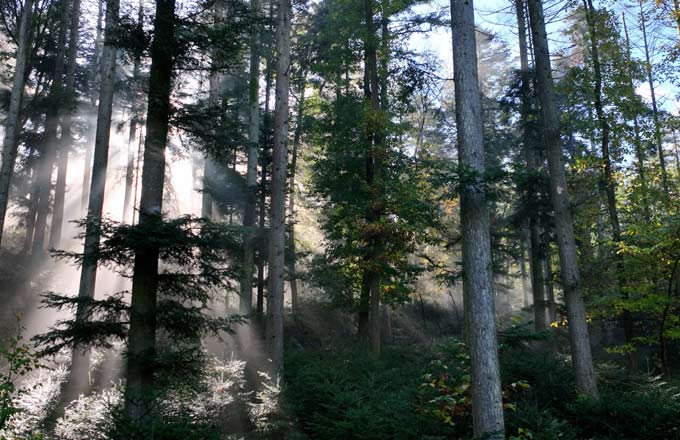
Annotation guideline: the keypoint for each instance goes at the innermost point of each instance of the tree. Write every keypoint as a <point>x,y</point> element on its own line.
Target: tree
<point>80,364</point>
<point>586,382</point>
<point>142,333</point>
<point>13,123</point>
<point>487,405</point>
<point>277,216</point>
<point>249,216</point>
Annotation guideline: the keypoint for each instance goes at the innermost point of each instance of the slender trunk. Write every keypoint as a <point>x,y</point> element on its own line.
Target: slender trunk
<point>524,237</point>
<point>87,167</point>
<point>291,204</point>
<point>79,376</point>
<point>263,181</point>
<point>578,329</point>
<point>277,215</point>
<point>487,405</point>
<point>534,166</point>
<point>655,110</point>
<point>249,214</point>
<point>48,155</point>
<point>371,280</point>
<point>637,142</point>
<point>209,168</point>
<point>142,333</point>
<point>135,110</point>
<point>676,13</point>
<point>10,143</point>
<point>66,140</point>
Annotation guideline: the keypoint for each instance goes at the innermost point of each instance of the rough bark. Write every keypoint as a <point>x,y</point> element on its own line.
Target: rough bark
<point>79,374</point>
<point>249,214</point>
<point>142,333</point>
<point>487,405</point>
<point>578,329</point>
<point>10,143</point>
<point>277,215</point>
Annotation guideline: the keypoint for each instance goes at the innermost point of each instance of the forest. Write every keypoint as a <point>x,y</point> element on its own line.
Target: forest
<point>339,219</point>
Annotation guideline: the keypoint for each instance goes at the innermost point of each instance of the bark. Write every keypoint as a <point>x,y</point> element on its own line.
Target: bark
<point>608,181</point>
<point>487,405</point>
<point>48,155</point>
<point>277,215</point>
<point>249,214</point>
<point>79,375</point>
<point>66,140</point>
<point>142,333</point>
<point>87,168</point>
<point>523,266</point>
<point>637,142</point>
<point>209,169</point>
<point>655,109</point>
<point>135,102</point>
<point>13,124</point>
<point>291,203</point>
<point>578,329</point>
<point>537,253</point>
<point>371,278</point>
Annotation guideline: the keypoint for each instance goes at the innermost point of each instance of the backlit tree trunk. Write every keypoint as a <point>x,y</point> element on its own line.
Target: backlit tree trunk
<point>13,124</point>
<point>142,333</point>
<point>79,374</point>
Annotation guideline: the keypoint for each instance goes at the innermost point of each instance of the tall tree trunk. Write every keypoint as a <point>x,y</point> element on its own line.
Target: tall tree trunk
<point>487,405</point>
<point>135,110</point>
<point>79,375</point>
<point>608,181</point>
<point>537,252</point>
<point>655,109</point>
<point>66,140</point>
<point>578,329</point>
<point>10,143</point>
<point>142,333</point>
<point>87,163</point>
<point>249,214</point>
<point>637,142</point>
<point>277,215</point>
<point>291,203</point>
<point>51,124</point>
<point>371,277</point>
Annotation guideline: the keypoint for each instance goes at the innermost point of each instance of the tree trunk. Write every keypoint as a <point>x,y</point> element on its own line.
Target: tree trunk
<point>536,237</point>
<point>79,376</point>
<point>371,278</point>
<point>578,329</point>
<point>135,110</point>
<point>48,155</point>
<point>655,110</point>
<point>87,166</point>
<point>487,405</point>
<point>66,140</point>
<point>277,215</point>
<point>249,214</point>
<point>637,142</point>
<point>142,333</point>
<point>10,143</point>
<point>291,203</point>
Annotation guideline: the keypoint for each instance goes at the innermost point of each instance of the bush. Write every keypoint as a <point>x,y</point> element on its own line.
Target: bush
<point>349,394</point>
